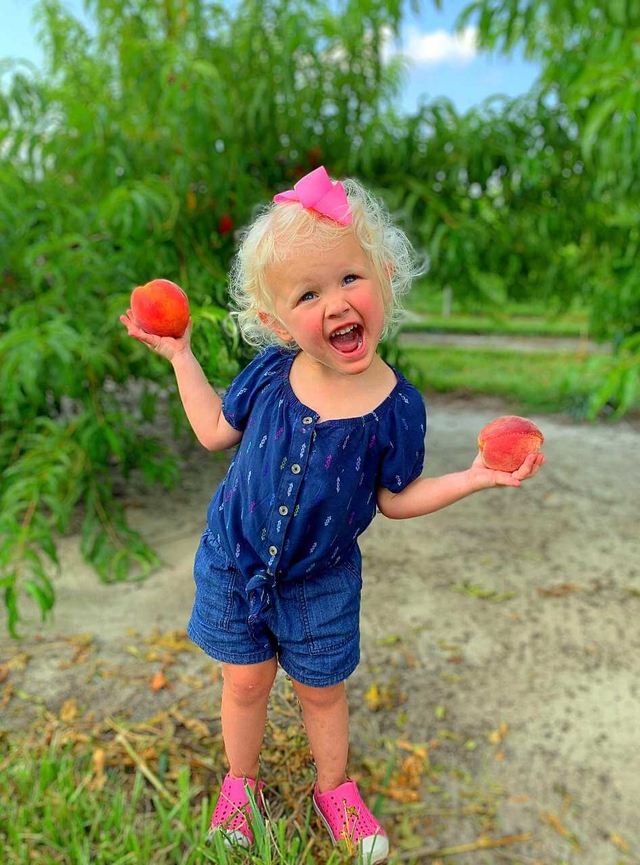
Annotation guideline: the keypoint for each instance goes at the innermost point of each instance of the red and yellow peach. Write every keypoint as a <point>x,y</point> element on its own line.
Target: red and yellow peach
<point>506,442</point>
<point>161,307</point>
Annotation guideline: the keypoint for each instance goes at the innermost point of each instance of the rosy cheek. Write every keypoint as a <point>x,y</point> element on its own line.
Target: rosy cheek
<point>370,306</point>
<point>313,328</point>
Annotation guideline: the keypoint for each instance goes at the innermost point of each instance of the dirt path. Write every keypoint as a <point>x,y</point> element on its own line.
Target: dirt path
<point>553,653</point>
<point>503,342</point>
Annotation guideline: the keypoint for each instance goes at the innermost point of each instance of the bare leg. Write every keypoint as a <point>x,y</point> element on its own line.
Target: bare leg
<point>326,718</point>
<point>245,694</point>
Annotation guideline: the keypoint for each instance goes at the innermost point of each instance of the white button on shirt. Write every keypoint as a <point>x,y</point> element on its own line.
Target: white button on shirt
<point>331,497</point>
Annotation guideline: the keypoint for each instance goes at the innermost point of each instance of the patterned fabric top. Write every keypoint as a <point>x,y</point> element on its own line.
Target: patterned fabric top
<point>298,492</point>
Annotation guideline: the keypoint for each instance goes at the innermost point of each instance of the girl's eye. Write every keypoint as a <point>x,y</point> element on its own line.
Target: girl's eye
<point>349,277</point>
<point>306,294</point>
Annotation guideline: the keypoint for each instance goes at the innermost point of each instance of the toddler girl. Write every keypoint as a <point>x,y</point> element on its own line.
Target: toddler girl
<point>327,432</point>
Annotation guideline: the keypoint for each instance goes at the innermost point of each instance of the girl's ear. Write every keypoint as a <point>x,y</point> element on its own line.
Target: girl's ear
<point>274,325</point>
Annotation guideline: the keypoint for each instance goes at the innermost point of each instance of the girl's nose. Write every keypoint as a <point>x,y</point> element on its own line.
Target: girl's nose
<point>337,303</point>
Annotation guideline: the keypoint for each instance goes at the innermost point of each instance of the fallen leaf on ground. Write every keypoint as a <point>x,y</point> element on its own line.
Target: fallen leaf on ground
<point>193,682</point>
<point>498,735</point>
<point>483,843</point>
<point>158,682</point>
<point>7,694</point>
<point>389,640</point>
<point>69,710</point>
<point>172,641</point>
<point>98,761</point>
<point>193,724</point>
<point>80,655</point>
<point>620,843</point>
<point>554,821</point>
<point>379,696</point>
<point>80,639</point>
<point>18,662</point>
<point>559,591</point>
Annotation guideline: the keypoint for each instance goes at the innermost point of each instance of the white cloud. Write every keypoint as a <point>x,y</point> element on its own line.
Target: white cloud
<point>441,47</point>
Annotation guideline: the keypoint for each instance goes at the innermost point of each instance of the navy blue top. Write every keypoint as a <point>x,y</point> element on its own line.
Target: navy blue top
<point>298,493</point>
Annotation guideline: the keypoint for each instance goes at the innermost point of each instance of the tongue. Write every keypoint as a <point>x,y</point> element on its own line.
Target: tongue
<point>346,341</point>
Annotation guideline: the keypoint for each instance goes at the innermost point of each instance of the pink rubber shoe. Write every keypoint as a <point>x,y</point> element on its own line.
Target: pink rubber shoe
<point>232,808</point>
<point>348,819</point>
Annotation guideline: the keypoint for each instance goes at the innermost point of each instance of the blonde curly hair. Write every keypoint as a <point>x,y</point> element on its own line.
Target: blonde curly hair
<point>279,227</point>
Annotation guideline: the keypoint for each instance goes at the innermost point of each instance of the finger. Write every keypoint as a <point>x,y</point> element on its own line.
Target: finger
<point>507,479</point>
<point>478,460</point>
<point>142,336</point>
<point>537,461</point>
<point>540,461</point>
<point>525,469</point>
<point>134,321</point>
<point>129,321</point>
<point>132,330</point>
<point>512,482</point>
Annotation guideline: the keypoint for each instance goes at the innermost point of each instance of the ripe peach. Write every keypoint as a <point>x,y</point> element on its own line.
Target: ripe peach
<point>161,308</point>
<point>506,441</point>
<point>225,225</point>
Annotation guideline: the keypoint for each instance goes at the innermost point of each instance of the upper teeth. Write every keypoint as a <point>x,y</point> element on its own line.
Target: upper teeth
<point>344,330</point>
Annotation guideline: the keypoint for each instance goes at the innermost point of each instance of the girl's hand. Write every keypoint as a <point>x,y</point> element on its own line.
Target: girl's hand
<point>483,478</point>
<point>166,346</point>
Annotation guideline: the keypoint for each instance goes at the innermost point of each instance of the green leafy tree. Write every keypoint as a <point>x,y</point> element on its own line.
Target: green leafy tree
<point>137,153</point>
<point>145,144</point>
<point>590,54</point>
<point>500,208</point>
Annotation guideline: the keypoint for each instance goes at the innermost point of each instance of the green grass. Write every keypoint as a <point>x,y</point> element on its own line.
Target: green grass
<point>53,815</point>
<point>87,792</point>
<point>540,381</point>
<point>518,326</point>
<point>532,319</point>
<point>52,811</point>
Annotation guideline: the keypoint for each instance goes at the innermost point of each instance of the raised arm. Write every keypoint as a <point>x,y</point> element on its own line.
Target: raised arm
<point>426,495</point>
<point>201,403</point>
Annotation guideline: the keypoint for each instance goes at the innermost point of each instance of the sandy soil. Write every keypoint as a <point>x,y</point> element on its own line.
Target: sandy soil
<point>557,660</point>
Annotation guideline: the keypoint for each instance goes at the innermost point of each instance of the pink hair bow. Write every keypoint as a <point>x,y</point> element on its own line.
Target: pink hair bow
<point>316,191</point>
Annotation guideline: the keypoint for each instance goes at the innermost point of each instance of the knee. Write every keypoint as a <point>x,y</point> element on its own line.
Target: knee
<point>320,698</point>
<point>247,686</point>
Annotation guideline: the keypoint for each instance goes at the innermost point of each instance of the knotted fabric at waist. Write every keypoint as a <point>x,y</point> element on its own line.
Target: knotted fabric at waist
<point>258,591</point>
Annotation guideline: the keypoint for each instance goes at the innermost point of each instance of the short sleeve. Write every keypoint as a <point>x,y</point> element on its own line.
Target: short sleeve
<point>402,440</point>
<point>240,397</point>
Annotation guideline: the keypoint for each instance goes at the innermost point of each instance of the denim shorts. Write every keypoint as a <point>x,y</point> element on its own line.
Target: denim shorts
<point>312,624</point>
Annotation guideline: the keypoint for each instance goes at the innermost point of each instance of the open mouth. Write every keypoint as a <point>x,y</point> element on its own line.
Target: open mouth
<point>347,340</point>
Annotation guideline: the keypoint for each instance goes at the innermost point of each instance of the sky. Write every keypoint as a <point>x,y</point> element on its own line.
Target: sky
<point>442,63</point>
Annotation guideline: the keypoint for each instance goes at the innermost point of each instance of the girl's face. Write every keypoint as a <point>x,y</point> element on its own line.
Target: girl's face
<point>318,294</point>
